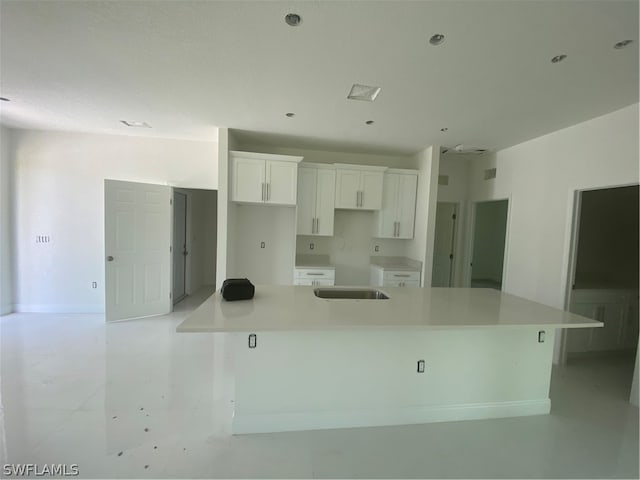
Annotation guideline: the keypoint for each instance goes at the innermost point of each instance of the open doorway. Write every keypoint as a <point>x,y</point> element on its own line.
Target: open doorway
<point>604,279</point>
<point>489,235</point>
<point>444,244</point>
<point>194,242</point>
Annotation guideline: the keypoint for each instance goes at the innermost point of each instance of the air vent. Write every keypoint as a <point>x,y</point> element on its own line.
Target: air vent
<point>490,173</point>
<point>443,179</point>
<point>363,92</point>
<point>465,149</point>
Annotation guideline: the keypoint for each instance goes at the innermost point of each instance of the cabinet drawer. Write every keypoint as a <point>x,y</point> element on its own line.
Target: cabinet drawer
<point>315,273</point>
<point>401,283</point>
<point>402,276</point>
<point>314,282</point>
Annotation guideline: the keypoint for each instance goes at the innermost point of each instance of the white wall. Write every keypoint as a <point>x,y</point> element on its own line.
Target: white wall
<point>6,222</point>
<point>59,193</point>
<point>540,177</point>
<point>427,162</point>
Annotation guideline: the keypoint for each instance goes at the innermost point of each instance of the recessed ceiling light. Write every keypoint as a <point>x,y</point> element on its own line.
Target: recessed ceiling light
<point>369,122</point>
<point>136,124</point>
<point>363,92</point>
<point>437,39</point>
<point>290,114</point>
<point>444,129</point>
<point>622,44</point>
<point>293,19</point>
<point>558,58</point>
<point>5,99</point>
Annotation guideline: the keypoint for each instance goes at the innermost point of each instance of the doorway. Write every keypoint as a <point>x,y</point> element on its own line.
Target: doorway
<point>604,278</point>
<point>180,251</point>
<point>444,244</point>
<point>488,247</point>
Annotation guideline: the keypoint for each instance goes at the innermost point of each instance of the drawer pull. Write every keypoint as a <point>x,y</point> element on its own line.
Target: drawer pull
<point>401,275</point>
<point>316,273</point>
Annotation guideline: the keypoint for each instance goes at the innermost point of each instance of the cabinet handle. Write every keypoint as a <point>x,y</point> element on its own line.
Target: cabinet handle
<point>317,274</point>
<point>361,198</point>
<point>313,225</point>
<point>317,225</point>
<point>401,275</point>
<point>268,191</point>
<point>263,191</point>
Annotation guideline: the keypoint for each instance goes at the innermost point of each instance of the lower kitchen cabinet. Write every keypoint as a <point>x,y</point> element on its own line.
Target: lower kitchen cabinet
<point>316,277</point>
<point>617,309</point>
<point>383,277</point>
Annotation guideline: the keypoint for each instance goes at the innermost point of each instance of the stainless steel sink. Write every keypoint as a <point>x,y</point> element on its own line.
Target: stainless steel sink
<point>350,293</point>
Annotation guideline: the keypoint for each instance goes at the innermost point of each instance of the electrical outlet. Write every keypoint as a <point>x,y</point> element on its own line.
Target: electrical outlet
<point>541,335</point>
<point>420,366</point>
<point>253,341</point>
<point>312,246</point>
<point>262,244</point>
<point>377,248</point>
<point>94,284</point>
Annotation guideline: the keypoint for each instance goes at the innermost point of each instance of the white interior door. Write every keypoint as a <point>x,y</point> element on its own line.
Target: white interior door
<point>179,246</point>
<point>137,250</point>
<point>444,244</point>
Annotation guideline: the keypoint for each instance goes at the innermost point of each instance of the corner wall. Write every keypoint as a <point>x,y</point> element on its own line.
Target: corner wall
<point>540,177</point>
<point>59,194</point>
<point>7,180</point>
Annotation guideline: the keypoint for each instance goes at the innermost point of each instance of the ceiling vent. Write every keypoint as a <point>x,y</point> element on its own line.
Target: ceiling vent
<point>490,173</point>
<point>467,150</point>
<point>363,92</point>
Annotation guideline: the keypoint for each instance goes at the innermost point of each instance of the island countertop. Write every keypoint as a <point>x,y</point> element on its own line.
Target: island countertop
<point>296,308</point>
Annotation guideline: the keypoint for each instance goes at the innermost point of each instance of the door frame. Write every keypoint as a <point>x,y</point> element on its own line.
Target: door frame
<point>188,236</point>
<point>471,223</point>
<point>574,210</point>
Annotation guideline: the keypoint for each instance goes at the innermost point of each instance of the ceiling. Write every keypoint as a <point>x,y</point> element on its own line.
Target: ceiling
<point>189,67</point>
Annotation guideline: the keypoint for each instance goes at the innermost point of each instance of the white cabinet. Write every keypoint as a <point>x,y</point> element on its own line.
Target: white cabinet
<point>316,277</point>
<point>264,178</point>
<point>359,187</point>
<point>617,309</point>
<point>383,277</point>
<point>316,199</point>
<point>397,215</point>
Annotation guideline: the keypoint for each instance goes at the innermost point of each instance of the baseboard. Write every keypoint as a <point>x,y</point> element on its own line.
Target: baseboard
<point>321,420</point>
<point>57,308</point>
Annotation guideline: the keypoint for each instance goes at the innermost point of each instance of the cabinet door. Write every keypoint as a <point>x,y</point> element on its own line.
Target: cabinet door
<point>347,188</point>
<point>388,214</point>
<point>371,188</point>
<point>282,182</point>
<point>248,177</point>
<point>325,201</point>
<point>307,178</point>
<point>407,189</point>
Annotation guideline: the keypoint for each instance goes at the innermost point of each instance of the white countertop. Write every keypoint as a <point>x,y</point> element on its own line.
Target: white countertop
<point>396,263</point>
<point>295,308</point>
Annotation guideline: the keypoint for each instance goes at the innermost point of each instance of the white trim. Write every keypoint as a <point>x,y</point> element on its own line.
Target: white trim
<point>57,308</point>
<point>320,420</point>
<point>326,166</point>
<point>265,156</point>
<point>349,166</point>
<point>402,171</point>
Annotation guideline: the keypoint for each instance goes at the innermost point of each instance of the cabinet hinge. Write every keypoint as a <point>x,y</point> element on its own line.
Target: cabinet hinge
<point>454,216</point>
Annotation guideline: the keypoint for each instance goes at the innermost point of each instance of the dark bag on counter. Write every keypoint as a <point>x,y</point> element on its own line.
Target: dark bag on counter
<point>237,289</point>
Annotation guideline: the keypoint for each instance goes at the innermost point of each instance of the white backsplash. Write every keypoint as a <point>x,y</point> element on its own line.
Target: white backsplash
<point>351,246</point>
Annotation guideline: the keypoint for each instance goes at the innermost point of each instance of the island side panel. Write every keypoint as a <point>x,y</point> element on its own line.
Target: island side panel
<point>338,379</point>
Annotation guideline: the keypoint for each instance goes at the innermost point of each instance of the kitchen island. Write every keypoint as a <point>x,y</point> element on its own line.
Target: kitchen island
<point>422,355</point>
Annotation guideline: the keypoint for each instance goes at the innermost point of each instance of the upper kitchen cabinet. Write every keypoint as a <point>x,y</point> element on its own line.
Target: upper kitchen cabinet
<point>359,187</point>
<point>264,178</point>
<point>397,216</point>
<point>316,199</point>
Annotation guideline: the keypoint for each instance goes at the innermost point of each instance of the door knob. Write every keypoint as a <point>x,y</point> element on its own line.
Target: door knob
<point>109,258</point>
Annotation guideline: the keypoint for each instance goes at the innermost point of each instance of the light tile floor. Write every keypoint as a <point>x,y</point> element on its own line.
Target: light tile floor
<point>137,400</point>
